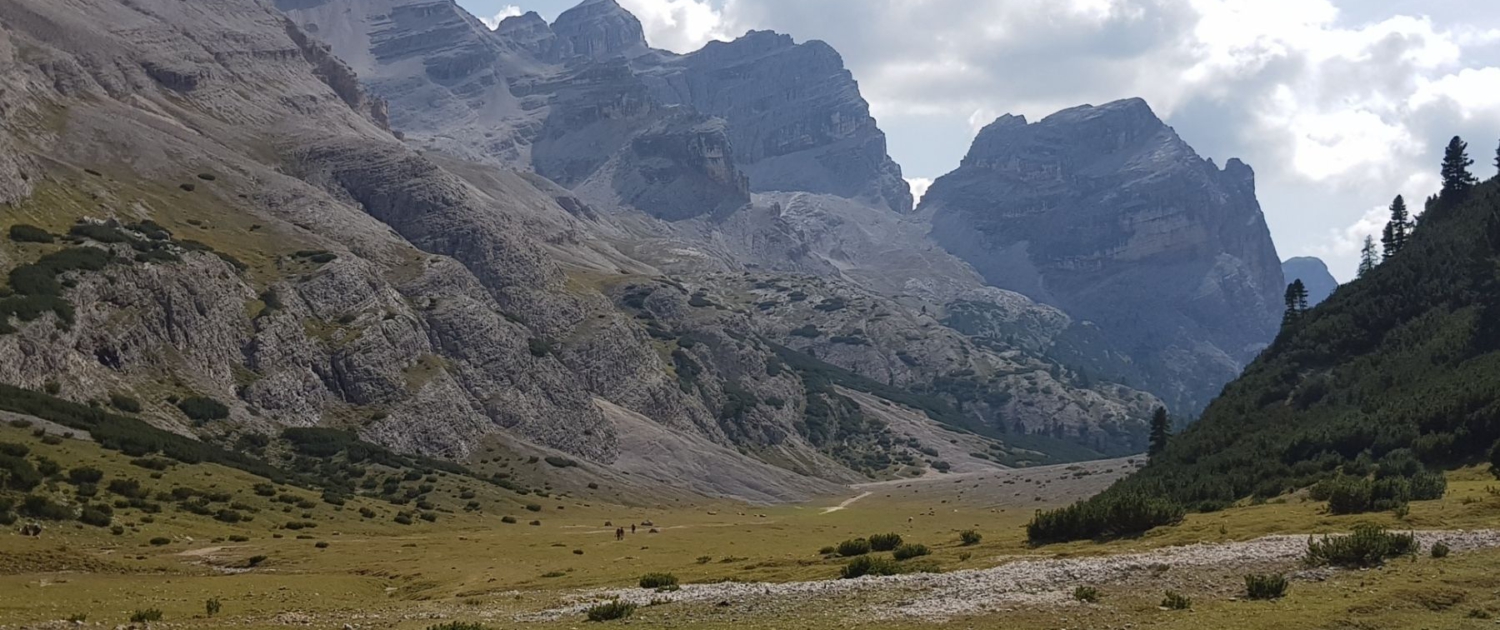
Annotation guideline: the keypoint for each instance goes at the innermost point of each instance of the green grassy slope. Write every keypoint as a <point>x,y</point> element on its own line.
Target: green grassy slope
<point>1397,372</point>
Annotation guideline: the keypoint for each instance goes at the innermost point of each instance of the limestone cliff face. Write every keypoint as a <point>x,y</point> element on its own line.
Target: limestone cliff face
<point>597,29</point>
<point>1105,212</point>
<point>796,118</point>
<point>680,168</point>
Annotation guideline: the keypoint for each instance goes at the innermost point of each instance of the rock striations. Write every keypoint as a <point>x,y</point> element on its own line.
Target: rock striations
<point>1105,212</point>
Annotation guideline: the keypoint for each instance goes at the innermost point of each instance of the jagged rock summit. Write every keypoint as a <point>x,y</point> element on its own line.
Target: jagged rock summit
<point>1314,274</point>
<point>1105,212</point>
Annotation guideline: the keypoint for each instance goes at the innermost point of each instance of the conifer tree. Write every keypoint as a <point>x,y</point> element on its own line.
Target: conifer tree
<point>1398,229</point>
<point>1457,180</point>
<point>1161,431</point>
<point>1296,302</point>
<point>1367,257</point>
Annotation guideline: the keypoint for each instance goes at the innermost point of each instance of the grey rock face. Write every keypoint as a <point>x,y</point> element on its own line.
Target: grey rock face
<point>1105,212</point>
<point>796,118</point>
<point>597,29</point>
<point>678,169</point>
<point>1313,273</point>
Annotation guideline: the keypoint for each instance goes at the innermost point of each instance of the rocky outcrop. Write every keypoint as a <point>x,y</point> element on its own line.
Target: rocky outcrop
<point>796,119</point>
<point>1106,213</point>
<point>597,29</point>
<point>680,168</point>
<point>1314,274</point>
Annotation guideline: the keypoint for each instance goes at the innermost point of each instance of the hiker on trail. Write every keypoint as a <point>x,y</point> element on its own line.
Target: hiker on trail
<point>620,534</point>
<point>632,528</point>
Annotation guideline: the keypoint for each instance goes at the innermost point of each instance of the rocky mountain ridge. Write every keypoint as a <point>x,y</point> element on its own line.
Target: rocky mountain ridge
<point>1106,213</point>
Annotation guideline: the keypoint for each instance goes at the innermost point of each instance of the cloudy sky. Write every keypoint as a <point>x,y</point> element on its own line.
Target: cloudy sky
<point>1338,104</point>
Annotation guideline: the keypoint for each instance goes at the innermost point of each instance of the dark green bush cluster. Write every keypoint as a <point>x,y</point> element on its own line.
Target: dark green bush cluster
<point>855,547</point>
<point>145,616</point>
<point>203,408</point>
<point>869,565</point>
<point>1176,601</point>
<point>969,537</point>
<point>1440,550</point>
<point>909,551</point>
<point>22,233</point>
<point>885,542</point>
<point>658,580</point>
<point>1265,587</point>
<point>611,611</point>
<point>37,289</point>
<point>1086,594</point>
<point>1106,516</point>
<point>1368,546</point>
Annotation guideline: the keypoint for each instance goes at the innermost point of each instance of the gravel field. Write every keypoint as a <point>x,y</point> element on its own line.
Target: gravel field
<point>1022,582</point>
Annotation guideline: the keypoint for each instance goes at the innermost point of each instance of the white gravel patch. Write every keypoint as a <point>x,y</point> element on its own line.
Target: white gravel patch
<point>1030,582</point>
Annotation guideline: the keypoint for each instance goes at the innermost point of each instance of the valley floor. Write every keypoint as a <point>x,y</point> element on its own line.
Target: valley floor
<point>760,567</point>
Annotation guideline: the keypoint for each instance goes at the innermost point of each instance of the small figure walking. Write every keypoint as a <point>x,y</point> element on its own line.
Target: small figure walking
<point>632,528</point>
<point>620,533</point>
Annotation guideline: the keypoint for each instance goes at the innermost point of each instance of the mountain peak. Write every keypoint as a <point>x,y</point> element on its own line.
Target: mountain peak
<point>599,29</point>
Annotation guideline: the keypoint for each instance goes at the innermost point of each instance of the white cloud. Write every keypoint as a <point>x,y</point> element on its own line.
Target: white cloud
<point>493,22</point>
<point>678,25</point>
<point>919,186</point>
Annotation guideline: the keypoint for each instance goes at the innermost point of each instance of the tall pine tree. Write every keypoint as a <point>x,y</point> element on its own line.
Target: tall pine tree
<point>1368,258</point>
<point>1296,302</point>
<point>1457,180</point>
<point>1161,431</point>
<point>1398,229</point>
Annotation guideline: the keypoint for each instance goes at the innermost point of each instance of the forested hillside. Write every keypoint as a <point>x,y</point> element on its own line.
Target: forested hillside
<point>1362,398</point>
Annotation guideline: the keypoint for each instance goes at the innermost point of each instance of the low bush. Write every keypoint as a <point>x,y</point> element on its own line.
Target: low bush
<point>95,516</point>
<point>40,507</point>
<point>969,537</point>
<point>1368,546</point>
<point>1086,594</point>
<point>160,541</point>
<point>658,580</point>
<point>1176,601</point>
<point>1107,515</point>
<point>212,606</point>
<point>22,233</point>
<point>203,409</point>
<point>145,616</point>
<point>509,520</point>
<point>1440,550</point>
<point>124,403</point>
<point>909,551</point>
<point>869,565</point>
<point>1265,587</point>
<point>84,474</point>
<point>611,611</point>
<point>885,542</point>
<point>533,507</point>
<point>856,547</point>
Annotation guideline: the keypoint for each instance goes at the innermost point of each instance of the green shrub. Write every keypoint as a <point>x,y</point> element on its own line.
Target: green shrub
<point>539,347</point>
<point>855,547</point>
<point>37,506</point>
<point>1105,516</point>
<point>869,565</point>
<point>658,580</point>
<point>145,616</point>
<point>885,542</point>
<point>160,541</point>
<point>1441,550</point>
<point>909,551</point>
<point>1265,587</point>
<point>611,611</point>
<point>22,233</point>
<point>969,537</point>
<point>533,507</point>
<point>124,403</point>
<point>203,409</point>
<point>85,474</point>
<point>95,516</point>
<point>1368,546</point>
<point>828,550</point>
<point>509,520</point>
<point>128,488</point>
<point>1086,594</point>
<point>1176,601</point>
<point>212,606</point>
<point>560,462</point>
